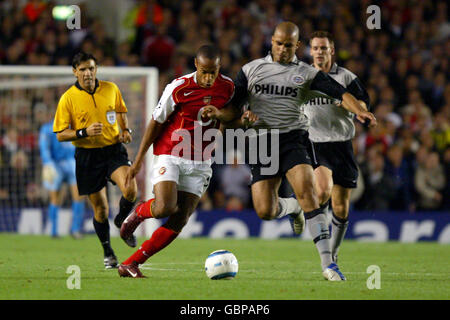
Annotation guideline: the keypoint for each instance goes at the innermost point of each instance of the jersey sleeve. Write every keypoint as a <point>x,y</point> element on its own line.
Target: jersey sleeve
<point>63,114</point>
<point>326,84</point>
<point>240,96</point>
<point>120,103</point>
<point>230,91</point>
<point>166,105</point>
<point>357,89</point>
<point>44,143</point>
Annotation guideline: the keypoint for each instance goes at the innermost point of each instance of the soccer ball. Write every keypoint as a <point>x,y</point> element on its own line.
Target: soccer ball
<point>221,264</point>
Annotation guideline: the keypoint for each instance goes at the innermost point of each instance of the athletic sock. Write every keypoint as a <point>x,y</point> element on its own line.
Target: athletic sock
<point>338,228</point>
<point>102,231</point>
<point>53,216</point>
<point>144,210</point>
<point>287,206</point>
<point>77,216</point>
<point>158,241</point>
<point>318,228</point>
<point>125,207</point>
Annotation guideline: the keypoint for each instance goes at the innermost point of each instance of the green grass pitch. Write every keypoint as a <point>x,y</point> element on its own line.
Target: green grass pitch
<point>34,267</point>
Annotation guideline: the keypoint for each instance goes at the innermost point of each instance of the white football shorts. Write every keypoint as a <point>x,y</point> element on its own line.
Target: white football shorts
<point>190,176</point>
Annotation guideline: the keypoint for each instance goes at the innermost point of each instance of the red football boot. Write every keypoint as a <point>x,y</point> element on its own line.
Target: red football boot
<point>131,223</point>
<point>130,270</point>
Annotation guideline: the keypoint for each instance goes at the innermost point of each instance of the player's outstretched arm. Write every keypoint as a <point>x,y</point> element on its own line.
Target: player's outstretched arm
<point>247,119</point>
<point>324,83</point>
<point>350,103</point>
<point>151,133</point>
<point>227,114</point>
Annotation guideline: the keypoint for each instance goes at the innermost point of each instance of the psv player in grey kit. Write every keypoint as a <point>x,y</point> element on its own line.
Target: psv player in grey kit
<point>276,88</point>
<point>331,130</point>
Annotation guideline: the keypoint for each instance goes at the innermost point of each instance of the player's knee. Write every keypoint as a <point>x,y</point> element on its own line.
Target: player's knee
<point>130,194</point>
<point>162,210</point>
<point>341,210</point>
<point>323,194</point>
<point>265,212</point>
<point>308,199</point>
<point>101,213</point>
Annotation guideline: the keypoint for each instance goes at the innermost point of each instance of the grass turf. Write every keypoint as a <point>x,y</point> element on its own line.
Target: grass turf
<point>34,267</point>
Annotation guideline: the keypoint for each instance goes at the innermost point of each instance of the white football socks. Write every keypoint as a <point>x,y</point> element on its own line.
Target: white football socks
<point>287,206</point>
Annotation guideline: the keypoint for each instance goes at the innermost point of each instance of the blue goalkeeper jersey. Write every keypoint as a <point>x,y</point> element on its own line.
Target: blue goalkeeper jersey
<point>50,148</point>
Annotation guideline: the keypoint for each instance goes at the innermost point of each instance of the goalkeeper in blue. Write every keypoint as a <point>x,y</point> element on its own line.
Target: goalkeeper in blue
<point>58,166</point>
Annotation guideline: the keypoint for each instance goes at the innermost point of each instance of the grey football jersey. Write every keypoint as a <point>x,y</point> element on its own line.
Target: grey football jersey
<point>276,92</point>
<point>329,122</point>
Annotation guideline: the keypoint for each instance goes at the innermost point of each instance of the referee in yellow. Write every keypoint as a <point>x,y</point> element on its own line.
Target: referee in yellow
<point>89,114</point>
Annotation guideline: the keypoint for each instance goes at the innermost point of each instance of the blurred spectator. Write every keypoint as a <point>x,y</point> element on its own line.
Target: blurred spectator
<point>380,189</point>
<point>430,182</point>
<point>235,179</point>
<point>441,132</point>
<point>158,49</point>
<point>9,144</point>
<point>446,193</point>
<point>205,202</point>
<point>19,182</point>
<point>33,9</point>
<point>401,172</point>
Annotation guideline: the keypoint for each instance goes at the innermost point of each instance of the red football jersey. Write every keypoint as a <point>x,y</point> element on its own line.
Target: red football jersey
<point>180,108</point>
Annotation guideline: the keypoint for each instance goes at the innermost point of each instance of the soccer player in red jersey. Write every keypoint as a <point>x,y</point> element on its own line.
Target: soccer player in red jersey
<point>188,107</point>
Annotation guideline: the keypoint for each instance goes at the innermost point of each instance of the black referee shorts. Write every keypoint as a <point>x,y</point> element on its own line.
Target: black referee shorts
<point>339,158</point>
<point>95,166</point>
<point>294,148</point>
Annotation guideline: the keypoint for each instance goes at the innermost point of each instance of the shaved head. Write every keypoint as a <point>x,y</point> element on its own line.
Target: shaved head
<point>285,42</point>
<point>288,28</point>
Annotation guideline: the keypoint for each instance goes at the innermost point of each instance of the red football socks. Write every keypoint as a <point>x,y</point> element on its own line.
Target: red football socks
<point>158,241</point>
<point>144,210</point>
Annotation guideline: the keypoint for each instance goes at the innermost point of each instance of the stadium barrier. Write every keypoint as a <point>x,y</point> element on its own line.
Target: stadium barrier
<point>364,226</point>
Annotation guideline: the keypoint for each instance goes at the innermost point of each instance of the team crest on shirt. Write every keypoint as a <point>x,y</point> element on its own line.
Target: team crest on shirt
<point>298,79</point>
<point>207,99</point>
<point>111,117</point>
<point>162,170</point>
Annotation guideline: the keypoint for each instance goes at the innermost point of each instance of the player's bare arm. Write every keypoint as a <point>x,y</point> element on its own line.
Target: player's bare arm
<point>350,103</point>
<point>125,135</point>
<point>226,114</point>
<point>151,133</point>
<point>246,119</point>
<point>362,103</point>
<point>94,129</point>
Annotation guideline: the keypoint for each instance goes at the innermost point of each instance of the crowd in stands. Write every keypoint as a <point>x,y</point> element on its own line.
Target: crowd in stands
<point>404,161</point>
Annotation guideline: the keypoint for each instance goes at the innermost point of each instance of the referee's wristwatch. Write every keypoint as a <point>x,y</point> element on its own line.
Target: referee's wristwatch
<point>129,130</point>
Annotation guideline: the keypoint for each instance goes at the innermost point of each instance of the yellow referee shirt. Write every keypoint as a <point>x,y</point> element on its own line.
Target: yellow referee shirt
<point>78,109</point>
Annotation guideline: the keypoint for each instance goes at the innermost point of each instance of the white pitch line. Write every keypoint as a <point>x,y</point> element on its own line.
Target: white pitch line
<point>161,269</point>
<point>149,266</point>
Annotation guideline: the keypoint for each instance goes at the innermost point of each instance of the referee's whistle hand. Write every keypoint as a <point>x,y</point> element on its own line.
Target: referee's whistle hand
<point>95,129</point>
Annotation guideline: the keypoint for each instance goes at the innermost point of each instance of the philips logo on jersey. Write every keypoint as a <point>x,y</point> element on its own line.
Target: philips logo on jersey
<point>320,101</point>
<point>275,90</point>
